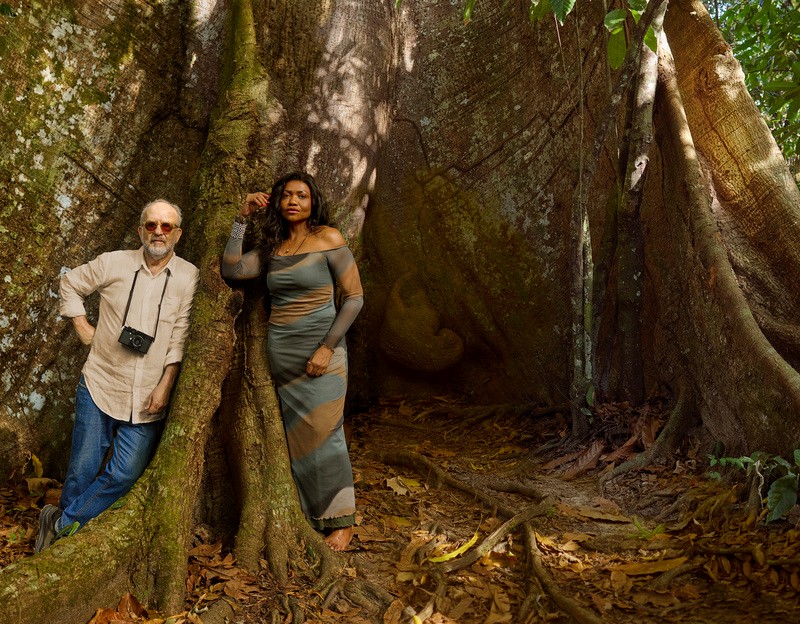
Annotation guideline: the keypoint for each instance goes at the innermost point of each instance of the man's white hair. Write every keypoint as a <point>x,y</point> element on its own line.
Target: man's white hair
<point>143,216</point>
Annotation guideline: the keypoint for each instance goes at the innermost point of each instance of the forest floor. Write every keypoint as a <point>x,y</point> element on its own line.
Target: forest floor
<point>434,480</point>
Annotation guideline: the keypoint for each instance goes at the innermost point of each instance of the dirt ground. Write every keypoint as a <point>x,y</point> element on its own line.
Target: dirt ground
<point>435,480</point>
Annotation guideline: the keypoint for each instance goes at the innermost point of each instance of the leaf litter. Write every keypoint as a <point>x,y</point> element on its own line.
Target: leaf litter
<point>664,544</point>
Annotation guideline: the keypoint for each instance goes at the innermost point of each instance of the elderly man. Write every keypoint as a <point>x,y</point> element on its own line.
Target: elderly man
<point>136,349</point>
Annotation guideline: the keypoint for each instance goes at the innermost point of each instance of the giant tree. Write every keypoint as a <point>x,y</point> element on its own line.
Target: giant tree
<point>452,153</point>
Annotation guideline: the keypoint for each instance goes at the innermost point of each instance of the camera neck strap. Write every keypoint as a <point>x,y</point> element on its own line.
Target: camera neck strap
<point>160,301</point>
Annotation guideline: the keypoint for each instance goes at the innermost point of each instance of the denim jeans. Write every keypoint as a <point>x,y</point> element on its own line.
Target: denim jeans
<point>86,494</point>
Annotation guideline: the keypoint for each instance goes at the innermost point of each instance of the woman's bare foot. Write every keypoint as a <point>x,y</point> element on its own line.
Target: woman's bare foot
<point>339,539</point>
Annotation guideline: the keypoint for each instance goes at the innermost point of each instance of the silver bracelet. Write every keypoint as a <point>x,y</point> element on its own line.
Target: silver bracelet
<point>238,230</point>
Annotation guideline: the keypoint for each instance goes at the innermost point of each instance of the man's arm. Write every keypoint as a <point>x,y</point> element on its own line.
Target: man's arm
<point>74,287</point>
<point>159,397</point>
<point>83,328</point>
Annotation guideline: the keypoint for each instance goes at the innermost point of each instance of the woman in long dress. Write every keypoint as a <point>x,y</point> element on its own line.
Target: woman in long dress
<point>303,259</point>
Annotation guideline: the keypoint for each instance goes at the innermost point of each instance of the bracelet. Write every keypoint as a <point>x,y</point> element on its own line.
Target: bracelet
<point>322,344</point>
<point>238,230</point>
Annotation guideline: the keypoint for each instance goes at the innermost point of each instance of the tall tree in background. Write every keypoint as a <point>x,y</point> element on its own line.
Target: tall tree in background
<point>452,167</point>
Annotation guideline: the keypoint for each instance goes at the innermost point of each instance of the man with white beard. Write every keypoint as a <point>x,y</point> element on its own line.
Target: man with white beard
<point>136,349</point>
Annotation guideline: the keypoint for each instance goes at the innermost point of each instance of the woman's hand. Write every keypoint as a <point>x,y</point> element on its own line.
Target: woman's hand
<point>318,363</point>
<point>253,202</point>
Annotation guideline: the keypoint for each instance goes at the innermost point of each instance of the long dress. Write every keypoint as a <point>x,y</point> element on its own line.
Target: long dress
<point>303,315</point>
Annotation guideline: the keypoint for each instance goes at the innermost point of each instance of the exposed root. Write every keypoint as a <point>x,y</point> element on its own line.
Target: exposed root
<point>669,438</point>
<point>498,535</point>
<point>566,604</point>
<point>367,595</point>
<point>663,581</point>
<point>439,477</point>
<point>333,593</point>
<point>513,486</point>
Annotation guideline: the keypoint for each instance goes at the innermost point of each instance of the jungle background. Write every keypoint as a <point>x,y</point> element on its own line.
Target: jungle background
<point>578,238</point>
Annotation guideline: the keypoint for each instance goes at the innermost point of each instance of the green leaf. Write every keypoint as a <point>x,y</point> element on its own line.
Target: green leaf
<point>616,49</point>
<point>468,11</point>
<point>397,4</point>
<point>6,10</point>
<point>562,8</point>
<point>797,457</point>
<point>539,9</point>
<point>782,496</point>
<point>637,15</point>
<point>779,85</point>
<point>650,39</point>
<point>780,461</point>
<point>614,20</point>
<point>590,396</point>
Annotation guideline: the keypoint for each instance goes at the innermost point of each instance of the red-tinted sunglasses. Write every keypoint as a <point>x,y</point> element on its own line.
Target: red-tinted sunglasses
<point>151,226</point>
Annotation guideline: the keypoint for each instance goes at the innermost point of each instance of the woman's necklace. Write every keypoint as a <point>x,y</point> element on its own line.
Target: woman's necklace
<point>296,249</point>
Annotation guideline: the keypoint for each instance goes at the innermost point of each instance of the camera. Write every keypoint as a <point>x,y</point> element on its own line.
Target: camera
<point>136,340</point>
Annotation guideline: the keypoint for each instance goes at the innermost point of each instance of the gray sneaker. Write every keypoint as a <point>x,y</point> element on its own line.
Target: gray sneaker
<point>48,517</point>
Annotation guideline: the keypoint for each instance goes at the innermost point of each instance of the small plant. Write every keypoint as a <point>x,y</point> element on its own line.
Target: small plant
<point>643,533</point>
<point>784,477</point>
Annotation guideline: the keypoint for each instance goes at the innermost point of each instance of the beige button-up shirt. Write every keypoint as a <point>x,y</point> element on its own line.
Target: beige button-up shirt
<point>119,378</point>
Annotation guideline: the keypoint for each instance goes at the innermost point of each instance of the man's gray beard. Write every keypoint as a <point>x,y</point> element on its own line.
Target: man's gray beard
<point>156,253</point>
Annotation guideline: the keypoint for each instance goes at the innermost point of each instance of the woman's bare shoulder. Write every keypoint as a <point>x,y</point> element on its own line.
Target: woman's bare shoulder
<point>329,237</point>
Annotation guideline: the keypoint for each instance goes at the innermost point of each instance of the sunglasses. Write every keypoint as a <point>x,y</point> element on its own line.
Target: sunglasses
<point>151,226</point>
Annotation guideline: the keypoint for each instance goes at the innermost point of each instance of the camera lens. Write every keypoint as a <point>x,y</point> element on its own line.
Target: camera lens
<point>136,341</point>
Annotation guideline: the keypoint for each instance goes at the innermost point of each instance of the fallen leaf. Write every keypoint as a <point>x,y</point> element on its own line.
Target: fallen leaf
<point>396,485</point>
<point>394,613</point>
<point>458,551</point>
<point>620,581</point>
<point>558,461</point>
<point>586,461</point>
<point>461,608</point>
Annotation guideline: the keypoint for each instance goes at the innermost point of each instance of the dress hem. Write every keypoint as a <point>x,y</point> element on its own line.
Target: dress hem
<point>339,522</point>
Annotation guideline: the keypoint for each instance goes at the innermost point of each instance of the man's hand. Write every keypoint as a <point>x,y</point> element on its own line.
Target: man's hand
<point>159,397</point>
<point>83,328</point>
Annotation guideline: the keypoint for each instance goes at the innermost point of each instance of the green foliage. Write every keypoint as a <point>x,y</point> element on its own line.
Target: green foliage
<point>617,40</point>
<point>7,10</point>
<point>644,533</point>
<point>784,477</point>
<point>539,9</point>
<point>562,8</point>
<point>765,37</point>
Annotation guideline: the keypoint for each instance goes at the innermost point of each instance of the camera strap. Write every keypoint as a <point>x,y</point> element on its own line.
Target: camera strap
<point>130,296</point>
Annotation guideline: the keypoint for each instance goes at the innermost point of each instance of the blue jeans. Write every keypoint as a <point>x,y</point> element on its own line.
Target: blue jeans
<point>86,494</point>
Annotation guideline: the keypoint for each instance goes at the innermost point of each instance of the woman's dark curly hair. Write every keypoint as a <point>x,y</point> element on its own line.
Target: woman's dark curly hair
<point>276,229</point>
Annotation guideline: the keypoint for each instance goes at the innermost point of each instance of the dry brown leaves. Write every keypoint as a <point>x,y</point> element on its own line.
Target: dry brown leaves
<point>617,421</point>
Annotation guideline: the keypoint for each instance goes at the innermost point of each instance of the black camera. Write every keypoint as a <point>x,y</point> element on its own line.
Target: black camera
<point>136,340</point>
